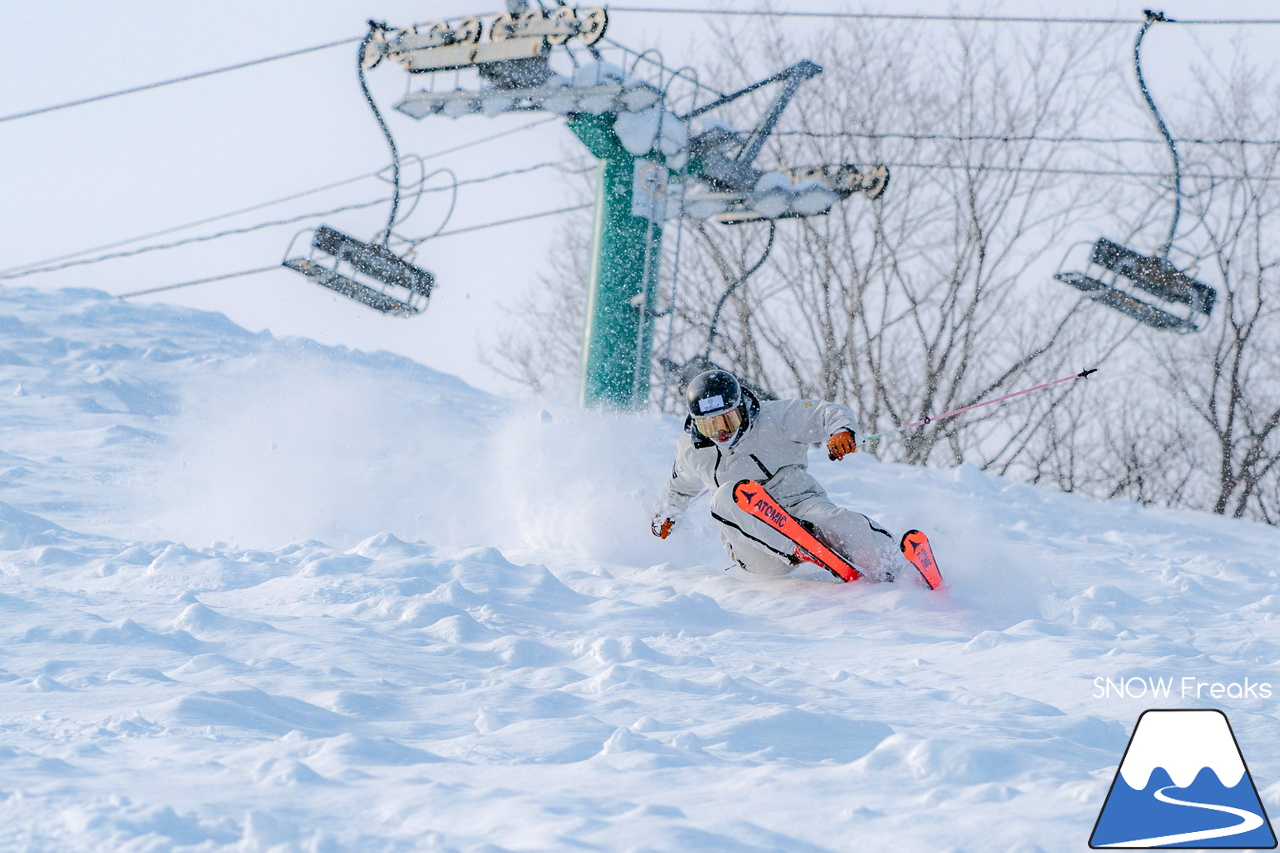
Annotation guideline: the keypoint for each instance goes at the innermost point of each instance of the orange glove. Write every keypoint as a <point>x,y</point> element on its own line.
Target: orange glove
<point>662,527</point>
<point>841,445</point>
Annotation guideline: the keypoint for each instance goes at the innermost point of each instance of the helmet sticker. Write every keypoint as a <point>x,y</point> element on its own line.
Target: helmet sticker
<point>708,404</point>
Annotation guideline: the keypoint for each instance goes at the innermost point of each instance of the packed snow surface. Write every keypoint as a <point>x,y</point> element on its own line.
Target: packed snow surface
<point>260,594</point>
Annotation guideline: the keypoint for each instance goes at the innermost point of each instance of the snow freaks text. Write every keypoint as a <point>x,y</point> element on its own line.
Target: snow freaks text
<point>1186,687</point>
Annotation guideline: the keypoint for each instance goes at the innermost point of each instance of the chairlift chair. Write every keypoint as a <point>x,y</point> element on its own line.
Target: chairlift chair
<point>374,276</point>
<point>1154,274</point>
<point>398,288</point>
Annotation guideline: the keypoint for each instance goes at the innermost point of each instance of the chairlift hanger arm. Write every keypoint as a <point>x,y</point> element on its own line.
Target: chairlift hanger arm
<point>796,74</point>
<point>377,28</point>
<point>792,76</point>
<point>804,69</point>
<point>1151,18</point>
<point>736,173</point>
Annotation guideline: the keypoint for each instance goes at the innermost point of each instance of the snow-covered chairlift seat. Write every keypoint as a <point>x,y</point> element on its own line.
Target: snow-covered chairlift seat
<point>1152,274</point>
<point>401,289</point>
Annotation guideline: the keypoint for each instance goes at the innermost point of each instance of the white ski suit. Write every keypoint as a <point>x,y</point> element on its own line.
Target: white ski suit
<point>772,449</point>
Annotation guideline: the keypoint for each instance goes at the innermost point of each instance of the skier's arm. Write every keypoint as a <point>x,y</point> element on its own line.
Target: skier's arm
<point>816,421</point>
<point>681,489</point>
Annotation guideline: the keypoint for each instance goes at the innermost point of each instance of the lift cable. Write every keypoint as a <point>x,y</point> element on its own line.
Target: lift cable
<point>516,219</point>
<point>183,79</point>
<point>240,274</point>
<point>636,9</point>
<point>680,73</point>
<point>39,266</point>
<point>230,232</point>
<point>203,238</point>
<point>1097,173</point>
<point>997,137</point>
<point>272,203</point>
<point>874,16</point>
<point>464,230</point>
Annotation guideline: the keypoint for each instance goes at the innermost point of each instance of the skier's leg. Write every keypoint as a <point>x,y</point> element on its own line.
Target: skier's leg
<point>753,544</point>
<point>867,545</point>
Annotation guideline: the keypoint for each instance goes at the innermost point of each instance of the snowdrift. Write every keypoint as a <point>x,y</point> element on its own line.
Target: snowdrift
<point>261,594</point>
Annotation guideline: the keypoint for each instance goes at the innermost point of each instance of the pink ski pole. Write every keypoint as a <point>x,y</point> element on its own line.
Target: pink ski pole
<point>1084,374</point>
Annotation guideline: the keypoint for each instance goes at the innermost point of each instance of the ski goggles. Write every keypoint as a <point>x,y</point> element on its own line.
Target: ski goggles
<point>724,422</point>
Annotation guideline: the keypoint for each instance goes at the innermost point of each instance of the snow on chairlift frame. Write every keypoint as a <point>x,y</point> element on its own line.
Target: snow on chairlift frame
<point>516,75</point>
<point>740,192</point>
<point>1153,274</point>
<point>400,289</point>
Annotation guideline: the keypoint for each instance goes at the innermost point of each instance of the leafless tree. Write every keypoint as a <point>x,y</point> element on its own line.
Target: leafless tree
<point>911,305</point>
<point>1194,420</point>
<point>1229,375</point>
<point>939,295</point>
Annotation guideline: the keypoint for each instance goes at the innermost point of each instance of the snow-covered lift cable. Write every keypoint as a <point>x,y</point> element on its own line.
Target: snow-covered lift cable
<point>183,79</point>
<point>203,238</point>
<point>1084,374</point>
<point>1039,170</point>
<point>516,219</point>
<point>1016,138</point>
<point>878,16</point>
<point>464,230</point>
<point>294,197</point>
<point>224,277</point>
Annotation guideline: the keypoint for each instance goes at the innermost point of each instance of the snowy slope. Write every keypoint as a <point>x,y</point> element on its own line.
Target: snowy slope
<point>260,594</point>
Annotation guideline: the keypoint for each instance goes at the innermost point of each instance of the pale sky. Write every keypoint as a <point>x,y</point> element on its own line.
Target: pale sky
<point>107,171</point>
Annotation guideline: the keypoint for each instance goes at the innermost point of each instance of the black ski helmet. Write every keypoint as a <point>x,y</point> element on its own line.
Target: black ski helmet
<point>712,392</point>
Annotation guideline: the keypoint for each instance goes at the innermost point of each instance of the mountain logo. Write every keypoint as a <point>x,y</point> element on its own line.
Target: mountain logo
<point>1183,783</point>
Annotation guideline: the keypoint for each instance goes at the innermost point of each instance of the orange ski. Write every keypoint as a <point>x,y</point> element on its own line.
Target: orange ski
<point>915,547</point>
<point>751,497</point>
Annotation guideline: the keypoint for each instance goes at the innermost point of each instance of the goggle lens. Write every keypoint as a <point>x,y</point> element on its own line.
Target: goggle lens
<point>725,422</point>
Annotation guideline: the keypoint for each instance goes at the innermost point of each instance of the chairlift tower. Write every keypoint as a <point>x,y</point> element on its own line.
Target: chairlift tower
<point>653,168</point>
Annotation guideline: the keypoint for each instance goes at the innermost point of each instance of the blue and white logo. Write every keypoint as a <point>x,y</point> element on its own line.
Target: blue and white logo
<point>1183,783</point>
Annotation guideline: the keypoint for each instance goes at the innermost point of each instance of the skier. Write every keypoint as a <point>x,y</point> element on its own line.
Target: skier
<point>731,436</point>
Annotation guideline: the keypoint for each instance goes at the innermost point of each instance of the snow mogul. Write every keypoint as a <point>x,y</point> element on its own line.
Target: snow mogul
<point>772,514</point>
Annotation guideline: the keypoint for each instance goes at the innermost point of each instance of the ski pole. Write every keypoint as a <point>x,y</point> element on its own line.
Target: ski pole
<point>1084,374</point>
